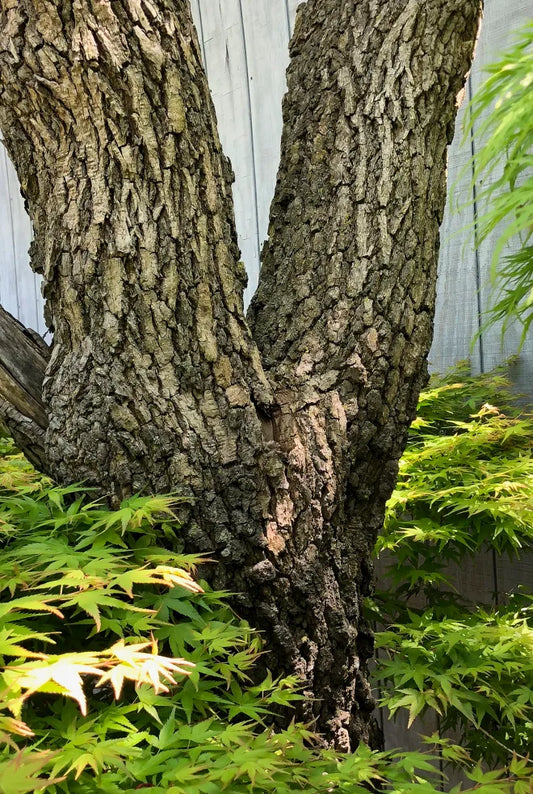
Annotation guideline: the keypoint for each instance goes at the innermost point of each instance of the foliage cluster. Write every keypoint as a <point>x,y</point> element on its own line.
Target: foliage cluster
<point>95,605</point>
<point>465,487</point>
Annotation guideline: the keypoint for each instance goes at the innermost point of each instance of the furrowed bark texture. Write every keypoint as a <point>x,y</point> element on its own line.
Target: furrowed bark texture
<point>344,310</point>
<point>109,121</point>
<point>155,382</point>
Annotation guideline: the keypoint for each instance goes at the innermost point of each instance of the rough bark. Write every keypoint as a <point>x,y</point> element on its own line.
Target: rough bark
<point>155,382</point>
<point>343,315</point>
<point>23,360</point>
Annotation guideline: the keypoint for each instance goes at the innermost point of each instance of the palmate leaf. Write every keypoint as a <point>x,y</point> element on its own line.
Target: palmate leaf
<point>11,636</point>
<point>481,470</point>
<point>10,725</point>
<point>136,511</point>
<point>472,666</point>
<point>90,601</point>
<point>20,774</point>
<point>97,755</point>
<point>30,604</point>
<point>164,575</point>
<point>98,584</point>
<point>466,484</point>
<point>61,675</point>
<point>131,663</point>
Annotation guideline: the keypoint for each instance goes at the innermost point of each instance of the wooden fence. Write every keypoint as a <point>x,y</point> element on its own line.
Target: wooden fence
<point>245,51</point>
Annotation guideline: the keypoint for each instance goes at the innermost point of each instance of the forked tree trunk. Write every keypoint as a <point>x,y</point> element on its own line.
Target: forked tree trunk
<point>288,435</point>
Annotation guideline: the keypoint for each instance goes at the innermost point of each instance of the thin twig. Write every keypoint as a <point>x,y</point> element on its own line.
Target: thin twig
<point>503,746</point>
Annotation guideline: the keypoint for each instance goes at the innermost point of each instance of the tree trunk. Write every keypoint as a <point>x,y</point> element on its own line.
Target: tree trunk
<point>288,439</point>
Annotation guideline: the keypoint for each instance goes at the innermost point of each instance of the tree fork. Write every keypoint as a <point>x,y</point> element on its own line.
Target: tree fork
<point>288,439</point>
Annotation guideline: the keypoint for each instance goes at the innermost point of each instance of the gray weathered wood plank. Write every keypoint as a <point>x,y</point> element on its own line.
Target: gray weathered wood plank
<point>474,578</point>
<point>30,301</point>
<point>267,40</point>
<point>8,270</point>
<point>456,312</point>
<point>225,52</point>
<point>511,574</point>
<point>198,21</point>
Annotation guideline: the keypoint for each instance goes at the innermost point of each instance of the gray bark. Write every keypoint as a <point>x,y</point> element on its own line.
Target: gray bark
<point>288,436</point>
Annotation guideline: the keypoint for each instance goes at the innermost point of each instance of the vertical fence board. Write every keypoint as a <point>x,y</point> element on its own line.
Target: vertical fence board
<point>474,578</point>
<point>20,288</point>
<point>511,574</point>
<point>501,20</point>
<point>198,22</point>
<point>456,308</point>
<point>396,732</point>
<point>30,302</point>
<point>267,40</point>
<point>226,62</point>
<point>8,271</point>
